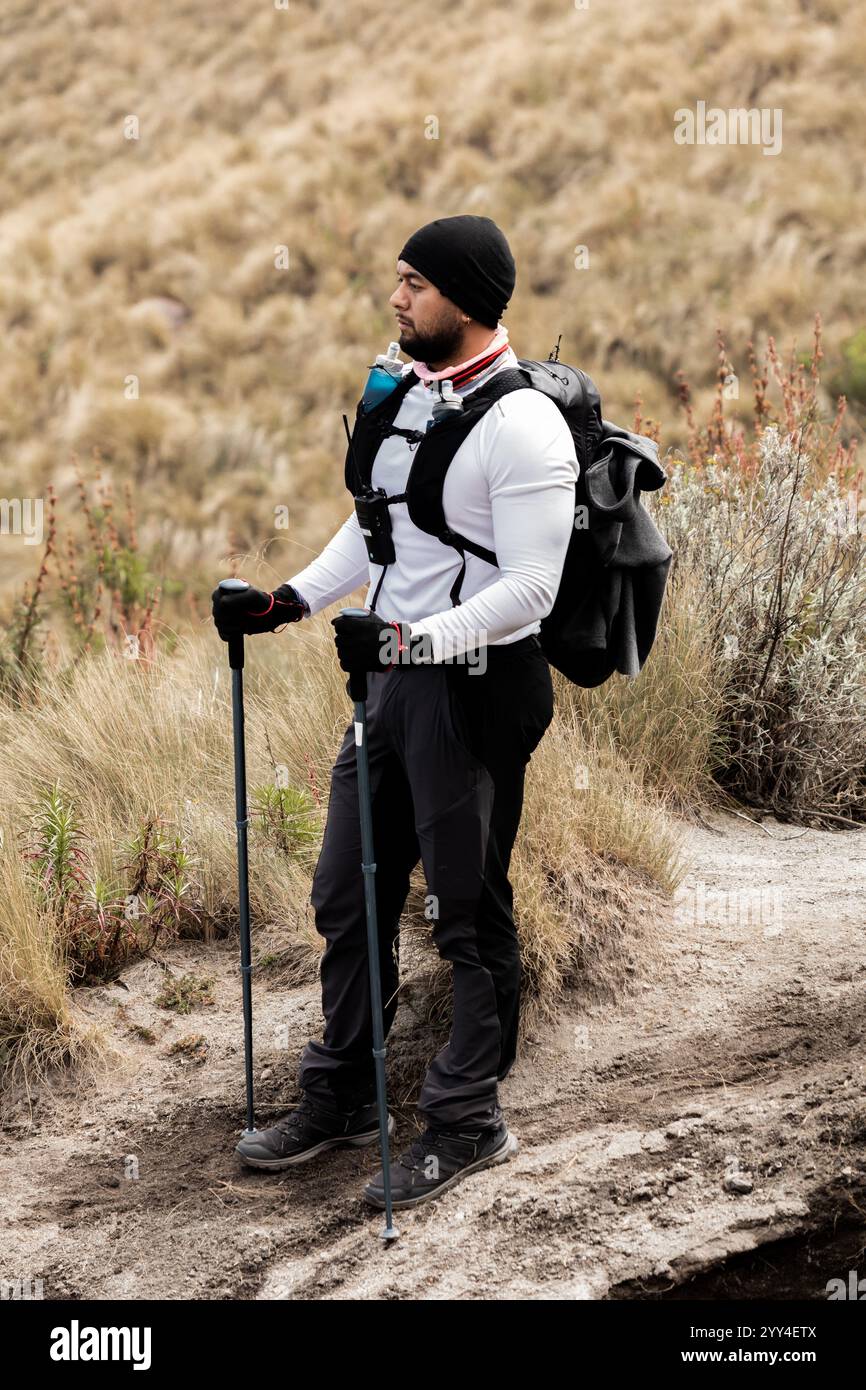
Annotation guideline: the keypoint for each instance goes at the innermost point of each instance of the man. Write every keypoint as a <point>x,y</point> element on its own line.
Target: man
<point>451,724</point>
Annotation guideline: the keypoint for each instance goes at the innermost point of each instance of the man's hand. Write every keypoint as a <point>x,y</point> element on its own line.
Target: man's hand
<point>250,611</point>
<point>365,642</point>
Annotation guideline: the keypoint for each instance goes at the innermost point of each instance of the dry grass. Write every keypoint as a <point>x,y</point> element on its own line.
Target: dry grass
<point>129,740</point>
<point>306,128</point>
<point>593,864</point>
<point>664,725</point>
<point>40,1029</point>
<point>300,128</point>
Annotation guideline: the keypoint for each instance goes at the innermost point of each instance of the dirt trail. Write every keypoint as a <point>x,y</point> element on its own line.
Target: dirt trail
<point>719,1110</point>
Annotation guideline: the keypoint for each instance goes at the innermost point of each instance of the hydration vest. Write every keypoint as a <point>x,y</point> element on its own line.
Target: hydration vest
<point>605,613</point>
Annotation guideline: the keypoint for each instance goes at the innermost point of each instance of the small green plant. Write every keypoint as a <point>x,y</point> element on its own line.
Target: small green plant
<point>286,816</point>
<point>105,584</point>
<point>162,882</point>
<point>58,855</point>
<point>93,932</point>
<point>95,576</point>
<point>20,654</point>
<point>100,926</point>
<point>185,993</point>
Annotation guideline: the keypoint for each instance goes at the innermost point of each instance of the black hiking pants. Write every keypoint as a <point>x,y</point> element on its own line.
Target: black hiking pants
<point>448,748</point>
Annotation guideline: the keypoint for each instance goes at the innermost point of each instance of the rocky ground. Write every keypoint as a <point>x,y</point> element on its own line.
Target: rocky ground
<point>705,1137</point>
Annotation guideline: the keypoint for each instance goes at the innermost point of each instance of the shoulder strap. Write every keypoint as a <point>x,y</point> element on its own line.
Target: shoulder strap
<point>433,459</point>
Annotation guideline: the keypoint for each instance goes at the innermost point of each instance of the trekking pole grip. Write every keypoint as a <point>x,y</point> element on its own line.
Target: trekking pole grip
<point>236,641</point>
<point>356,685</point>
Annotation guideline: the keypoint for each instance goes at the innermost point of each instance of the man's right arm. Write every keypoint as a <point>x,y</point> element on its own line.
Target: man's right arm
<point>340,568</point>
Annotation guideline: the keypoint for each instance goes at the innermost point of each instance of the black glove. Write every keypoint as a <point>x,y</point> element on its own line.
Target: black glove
<point>366,642</point>
<point>252,610</point>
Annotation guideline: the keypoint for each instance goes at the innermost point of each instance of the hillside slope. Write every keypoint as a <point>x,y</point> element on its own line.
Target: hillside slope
<point>147,156</point>
<point>717,1112</point>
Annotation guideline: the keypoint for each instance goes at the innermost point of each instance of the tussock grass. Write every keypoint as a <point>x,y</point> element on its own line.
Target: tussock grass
<point>129,740</point>
<point>40,1029</point>
<point>267,128</point>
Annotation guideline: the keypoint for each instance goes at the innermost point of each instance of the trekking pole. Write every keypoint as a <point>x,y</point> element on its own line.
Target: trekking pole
<point>236,662</point>
<point>357,689</point>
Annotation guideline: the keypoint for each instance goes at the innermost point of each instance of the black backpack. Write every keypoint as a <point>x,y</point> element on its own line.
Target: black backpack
<point>606,610</point>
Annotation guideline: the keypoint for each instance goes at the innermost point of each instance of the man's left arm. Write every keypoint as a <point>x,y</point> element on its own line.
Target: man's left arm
<point>531,467</point>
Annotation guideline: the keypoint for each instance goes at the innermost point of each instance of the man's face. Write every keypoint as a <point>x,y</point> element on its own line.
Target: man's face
<point>431,326</point>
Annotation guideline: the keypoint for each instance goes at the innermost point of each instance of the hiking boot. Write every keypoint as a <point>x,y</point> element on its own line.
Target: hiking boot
<point>438,1159</point>
<point>308,1130</point>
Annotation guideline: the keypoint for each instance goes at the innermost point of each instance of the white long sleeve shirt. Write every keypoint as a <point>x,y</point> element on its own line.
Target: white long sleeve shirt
<point>509,488</point>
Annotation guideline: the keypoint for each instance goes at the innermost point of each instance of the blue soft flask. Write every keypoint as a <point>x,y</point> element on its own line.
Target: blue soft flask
<point>384,375</point>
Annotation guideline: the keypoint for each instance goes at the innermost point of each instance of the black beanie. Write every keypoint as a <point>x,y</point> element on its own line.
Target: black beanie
<point>468,260</point>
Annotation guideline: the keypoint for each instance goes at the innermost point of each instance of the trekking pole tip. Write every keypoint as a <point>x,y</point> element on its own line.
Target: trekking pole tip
<point>389,1233</point>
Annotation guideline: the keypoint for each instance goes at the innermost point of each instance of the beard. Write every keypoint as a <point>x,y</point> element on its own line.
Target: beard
<point>441,344</point>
